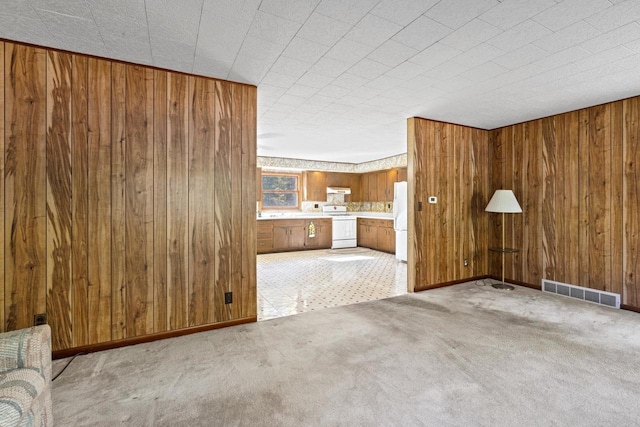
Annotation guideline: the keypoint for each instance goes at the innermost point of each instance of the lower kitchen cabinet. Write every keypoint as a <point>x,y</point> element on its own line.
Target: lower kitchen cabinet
<point>377,234</point>
<point>387,239</point>
<point>323,236</point>
<point>367,234</point>
<point>288,235</point>
<point>282,235</point>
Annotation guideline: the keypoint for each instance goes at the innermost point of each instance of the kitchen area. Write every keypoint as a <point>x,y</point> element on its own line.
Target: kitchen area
<point>327,238</point>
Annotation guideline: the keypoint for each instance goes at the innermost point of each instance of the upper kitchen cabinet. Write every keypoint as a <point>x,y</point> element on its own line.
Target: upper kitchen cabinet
<point>386,179</point>
<point>314,186</point>
<point>402,174</point>
<point>345,180</point>
<point>369,187</point>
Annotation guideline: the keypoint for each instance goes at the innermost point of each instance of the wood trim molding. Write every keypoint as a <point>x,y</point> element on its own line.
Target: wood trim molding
<point>445,284</point>
<point>451,123</point>
<point>92,348</point>
<point>515,282</point>
<point>630,308</point>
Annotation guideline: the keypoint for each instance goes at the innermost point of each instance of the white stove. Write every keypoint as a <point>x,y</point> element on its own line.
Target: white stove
<point>344,227</point>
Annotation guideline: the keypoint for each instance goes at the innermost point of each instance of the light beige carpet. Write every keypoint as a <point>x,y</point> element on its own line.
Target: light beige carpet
<point>458,356</point>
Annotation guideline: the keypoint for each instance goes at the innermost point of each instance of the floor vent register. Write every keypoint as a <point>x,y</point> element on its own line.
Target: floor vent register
<point>578,292</point>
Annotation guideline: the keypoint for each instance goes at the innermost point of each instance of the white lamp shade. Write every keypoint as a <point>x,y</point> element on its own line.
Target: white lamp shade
<point>503,201</point>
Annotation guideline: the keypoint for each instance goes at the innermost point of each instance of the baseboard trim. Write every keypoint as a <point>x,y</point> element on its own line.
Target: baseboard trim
<point>515,282</point>
<point>92,348</point>
<point>445,284</point>
<point>630,308</point>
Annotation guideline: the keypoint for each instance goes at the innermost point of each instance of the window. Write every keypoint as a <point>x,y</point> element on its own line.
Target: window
<point>280,191</point>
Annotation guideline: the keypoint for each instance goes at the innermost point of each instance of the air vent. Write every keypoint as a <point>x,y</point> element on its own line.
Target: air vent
<point>578,292</point>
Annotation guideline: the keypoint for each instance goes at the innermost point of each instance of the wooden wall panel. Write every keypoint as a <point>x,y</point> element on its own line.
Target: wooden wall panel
<point>416,236</point>
<point>235,275</point>
<point>572,198</point>
<point>118,203</point>
<point>558,180</point>
<point>479,195</point>
<point>79,203</point>
<point>583,198</point>
<point>127,197</point>
<point>139,200</point>
<point>600,198</point>
<point>223,206</point>
<point>631,194</point>
<point>99,200</point>
<point>549,161</point>
<point>25,185</point>
<point>519,185</point>
<point>579,196</point>
<point>498,159</point>
<point>249,145</point>
<point>2,297</point>
<point>447,161</point>
<point>201,201</point>
<point>160,321</point>
<point>177,200</point>
<point>616,201</point>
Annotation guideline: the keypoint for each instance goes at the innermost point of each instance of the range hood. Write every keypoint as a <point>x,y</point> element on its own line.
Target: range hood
<point>338,190</point>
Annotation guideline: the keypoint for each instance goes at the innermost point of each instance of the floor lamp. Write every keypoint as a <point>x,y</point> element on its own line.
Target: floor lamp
<point>503,201</point>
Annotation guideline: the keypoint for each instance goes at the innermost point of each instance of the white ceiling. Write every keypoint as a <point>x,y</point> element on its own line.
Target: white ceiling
<point>337,79</point>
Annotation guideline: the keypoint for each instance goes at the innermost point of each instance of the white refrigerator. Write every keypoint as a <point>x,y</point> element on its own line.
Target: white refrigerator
<point>400,219</point>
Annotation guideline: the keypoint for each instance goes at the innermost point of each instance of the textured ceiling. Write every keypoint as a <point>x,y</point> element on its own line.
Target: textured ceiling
<point>337,79</point>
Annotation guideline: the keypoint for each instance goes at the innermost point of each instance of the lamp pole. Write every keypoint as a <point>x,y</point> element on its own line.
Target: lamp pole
<point>503,246</point>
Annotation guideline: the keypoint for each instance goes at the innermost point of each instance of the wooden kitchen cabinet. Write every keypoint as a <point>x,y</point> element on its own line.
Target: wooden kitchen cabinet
<point>345,180</point>
<point>338,179</point>
<point>386,237</point>
<point>367,233</point>
<point>402,174</point>
<point>282,235</point>
<point>369,187</point>
<point>386,179</point>
<point>288,235</point>
<point>377,234</point>
<point>373,187</point>
<point>315,186</point>
<point>323,238</point>
<point>265,236</point>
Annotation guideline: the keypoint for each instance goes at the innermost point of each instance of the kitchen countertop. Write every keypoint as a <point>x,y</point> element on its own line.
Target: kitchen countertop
<point>294,216</point>
<point>311,215</point>
<point>372,215</point>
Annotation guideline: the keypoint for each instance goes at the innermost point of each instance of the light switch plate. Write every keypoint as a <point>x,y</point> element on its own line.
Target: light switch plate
<point>433,199</point>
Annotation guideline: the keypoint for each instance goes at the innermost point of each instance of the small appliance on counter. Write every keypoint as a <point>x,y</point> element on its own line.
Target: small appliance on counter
<point>400,219</point>
<point>344,227</point>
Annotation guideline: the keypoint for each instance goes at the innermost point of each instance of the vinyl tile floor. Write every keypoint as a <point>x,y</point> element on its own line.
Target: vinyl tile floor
<point>296,282</point>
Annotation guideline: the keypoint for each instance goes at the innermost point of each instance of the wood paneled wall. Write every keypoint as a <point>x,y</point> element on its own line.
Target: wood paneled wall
<point>128,197</point>
<point>450,162</point>
<point>576,176</point>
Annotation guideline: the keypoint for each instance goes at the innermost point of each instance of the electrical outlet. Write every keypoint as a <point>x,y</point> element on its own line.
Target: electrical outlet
<point>40,319</point>
<point>228,297</point>
<point>466,262</point>
<point>315,206</point>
